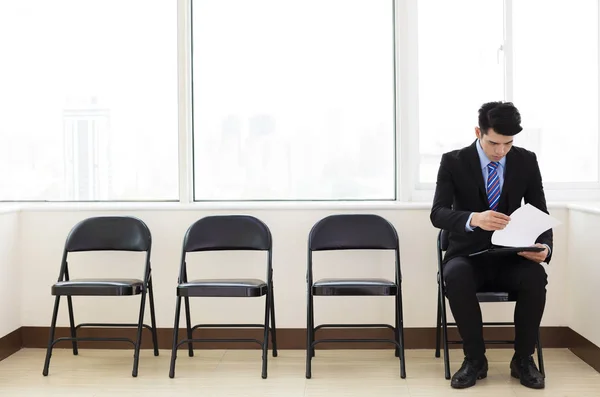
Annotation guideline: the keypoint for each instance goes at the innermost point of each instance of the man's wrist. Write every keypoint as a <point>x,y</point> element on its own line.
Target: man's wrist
<point>549,250</point>
<point>473,222</point>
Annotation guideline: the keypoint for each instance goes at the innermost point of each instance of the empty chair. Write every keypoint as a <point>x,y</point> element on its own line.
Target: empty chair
<point>226,233</point>
<point>354,232</point>
<point>106,233</point>
<point>482,296</point>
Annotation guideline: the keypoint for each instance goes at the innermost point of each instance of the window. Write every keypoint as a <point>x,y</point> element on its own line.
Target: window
<point>460,67</point>
<point>556,86</point>
<point>88,104</point>
<point>550,73</point>
<point>293,100</point>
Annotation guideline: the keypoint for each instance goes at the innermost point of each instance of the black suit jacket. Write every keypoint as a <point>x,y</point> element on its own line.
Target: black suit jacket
<point>460,190</point>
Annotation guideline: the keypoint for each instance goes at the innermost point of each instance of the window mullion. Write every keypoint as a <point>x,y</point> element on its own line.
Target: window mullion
<point>508,51</point>
<point>184,80</point>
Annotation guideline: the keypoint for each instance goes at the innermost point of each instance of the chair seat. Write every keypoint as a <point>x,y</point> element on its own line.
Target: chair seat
<point>98,287</point>
<point>243,287</point>
<point>496,297</point>
<point>355,287</point>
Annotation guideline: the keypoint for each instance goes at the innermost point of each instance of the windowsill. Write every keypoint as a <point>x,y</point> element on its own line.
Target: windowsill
<point>587,207</point>
<point>8,208</point>
<point>252,206</point>
<point>225,205</point>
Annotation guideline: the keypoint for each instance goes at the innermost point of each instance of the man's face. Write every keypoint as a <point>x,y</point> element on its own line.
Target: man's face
<point>495,145</point>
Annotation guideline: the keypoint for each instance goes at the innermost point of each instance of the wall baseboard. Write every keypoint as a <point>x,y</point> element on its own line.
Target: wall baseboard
<point>585,350</point>
<point>287,338</point>
<point>294,338</point>
<point>10,344</point>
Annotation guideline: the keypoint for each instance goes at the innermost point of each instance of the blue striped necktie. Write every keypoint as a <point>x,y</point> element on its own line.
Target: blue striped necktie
<point>493,185</point>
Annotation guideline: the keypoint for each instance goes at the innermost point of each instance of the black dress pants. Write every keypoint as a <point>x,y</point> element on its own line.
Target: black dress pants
<point>465,276</point>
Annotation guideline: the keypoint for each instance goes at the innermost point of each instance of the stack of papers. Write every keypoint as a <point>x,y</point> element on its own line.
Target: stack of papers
<point>525,226</point>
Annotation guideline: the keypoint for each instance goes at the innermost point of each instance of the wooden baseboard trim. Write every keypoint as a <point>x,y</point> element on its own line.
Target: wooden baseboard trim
<point>585,350</point>
<point>10,344</point>
<point>287,338</point>
<point>295,338</point>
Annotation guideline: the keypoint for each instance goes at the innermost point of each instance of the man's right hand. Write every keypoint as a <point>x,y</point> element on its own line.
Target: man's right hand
<point>490,220</point>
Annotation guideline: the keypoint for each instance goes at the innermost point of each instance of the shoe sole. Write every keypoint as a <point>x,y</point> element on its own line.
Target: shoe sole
<point>480,375</point>
<point>516,376</point>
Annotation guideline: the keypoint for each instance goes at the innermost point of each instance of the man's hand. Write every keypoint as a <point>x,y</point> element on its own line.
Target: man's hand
<point>490,220</point>
<point>537,257</point>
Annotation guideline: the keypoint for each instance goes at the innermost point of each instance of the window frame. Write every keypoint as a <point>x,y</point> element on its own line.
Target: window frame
<point>180,10</point>
<point>408,188</point>
<point>554,191</point>
<point>188,175</point>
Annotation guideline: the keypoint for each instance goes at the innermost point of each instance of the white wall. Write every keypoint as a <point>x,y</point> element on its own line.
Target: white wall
<point>10,307</point>
<point>583,281</point>
<point>43,233</point>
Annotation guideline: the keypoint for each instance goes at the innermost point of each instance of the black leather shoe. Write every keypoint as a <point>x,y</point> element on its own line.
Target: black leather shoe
<point>524,369</point>
<point>469,372</point>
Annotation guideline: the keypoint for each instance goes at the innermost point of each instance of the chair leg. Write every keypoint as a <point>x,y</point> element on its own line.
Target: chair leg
<point>175,337</point>
<point>188,326</point>
<point>153,317</point>
<point>438,327</point>
<point>312,325</point>
<point>51,337</point>
<point>72,324</point>
<point>265,346</point>
<point>445,336</point>
<point>540,355</point>
<point>400,327</point>
<point>273,326</point>
<point>309,334</point>
<point>138,342</point>
<point>396,329</point>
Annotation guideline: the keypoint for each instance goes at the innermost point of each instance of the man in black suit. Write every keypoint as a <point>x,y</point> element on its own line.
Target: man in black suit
<point>477,188</point>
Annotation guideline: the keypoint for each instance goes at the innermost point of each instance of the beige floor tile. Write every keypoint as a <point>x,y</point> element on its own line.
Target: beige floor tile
<point>220,373</point>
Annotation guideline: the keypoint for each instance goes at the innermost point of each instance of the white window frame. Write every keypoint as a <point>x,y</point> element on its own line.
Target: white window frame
<point>408,187</point>
<point>184,89</point>
<point>418,192</point>
<point>186,124</point>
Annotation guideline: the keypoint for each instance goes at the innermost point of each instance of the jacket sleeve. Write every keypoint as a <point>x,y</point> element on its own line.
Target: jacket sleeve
<point>443,216</point>
<point>534,195</point>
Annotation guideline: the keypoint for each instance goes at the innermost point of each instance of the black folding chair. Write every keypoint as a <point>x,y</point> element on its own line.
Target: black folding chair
<point>110,233</point>
<point>354,232</point>
<point>482,296</point>
<point>226,233</point>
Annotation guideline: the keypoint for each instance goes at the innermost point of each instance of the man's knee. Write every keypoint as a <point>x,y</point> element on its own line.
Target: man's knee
<point>458,273</point>
<point>534,276</point>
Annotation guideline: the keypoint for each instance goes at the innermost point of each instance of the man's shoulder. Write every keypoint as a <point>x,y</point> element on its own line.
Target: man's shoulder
<point>523,152</point>
<point>523,155</point>
<point>466,152</point>
<point>457,154</point>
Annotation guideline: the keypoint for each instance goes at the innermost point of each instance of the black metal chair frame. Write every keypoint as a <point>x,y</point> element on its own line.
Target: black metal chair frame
<point>332,245</point>
<point>103,241</point>
<point>191,246</point>
<point>484,296</point>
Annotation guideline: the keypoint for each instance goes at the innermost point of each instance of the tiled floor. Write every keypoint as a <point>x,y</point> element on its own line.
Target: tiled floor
<point>237,373</point>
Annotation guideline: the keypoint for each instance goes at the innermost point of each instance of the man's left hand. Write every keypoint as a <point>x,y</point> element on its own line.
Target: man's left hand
<point>537,257</point>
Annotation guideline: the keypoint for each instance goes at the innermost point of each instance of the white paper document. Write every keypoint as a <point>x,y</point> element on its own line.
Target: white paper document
<point>525,226</point>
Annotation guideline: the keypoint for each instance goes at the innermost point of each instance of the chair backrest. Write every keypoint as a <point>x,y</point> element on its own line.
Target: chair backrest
<point>442,246</point>
<point>109,233</point>
<point>353,231</point>
<point>443,240</point>
<point>228,232</point>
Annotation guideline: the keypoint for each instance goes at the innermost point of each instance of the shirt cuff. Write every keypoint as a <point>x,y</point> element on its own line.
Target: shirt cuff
<point>468,227</point>
<point>549,250</point>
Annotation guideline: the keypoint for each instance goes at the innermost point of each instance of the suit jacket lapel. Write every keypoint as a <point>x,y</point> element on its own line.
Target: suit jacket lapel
<point>475,165</point>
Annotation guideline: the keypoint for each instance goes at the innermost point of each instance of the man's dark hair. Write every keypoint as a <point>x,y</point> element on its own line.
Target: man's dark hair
<point>502,117</point>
